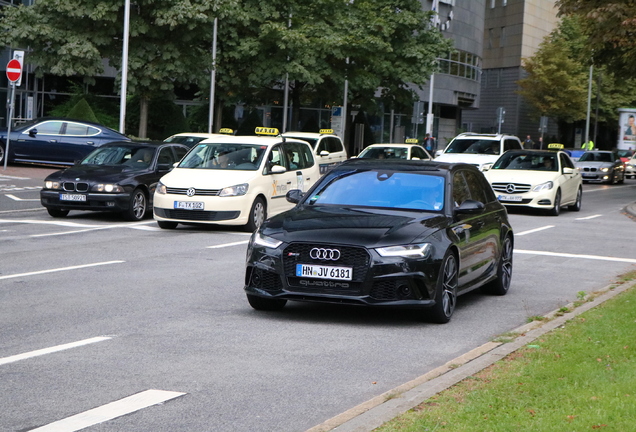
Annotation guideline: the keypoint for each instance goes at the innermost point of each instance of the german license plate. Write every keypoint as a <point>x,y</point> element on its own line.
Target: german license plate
<point>187,205</point>
<point>72,197</point>
<point>513,198</point>
<point>589,175</point>
<point>324,272</point>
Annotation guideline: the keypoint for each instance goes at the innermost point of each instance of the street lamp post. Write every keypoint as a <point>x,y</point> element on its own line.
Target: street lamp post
<point>124,69</point>
<point>213,76</point>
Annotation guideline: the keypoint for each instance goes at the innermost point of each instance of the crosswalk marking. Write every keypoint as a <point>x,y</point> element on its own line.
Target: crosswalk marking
<point>110,411</point>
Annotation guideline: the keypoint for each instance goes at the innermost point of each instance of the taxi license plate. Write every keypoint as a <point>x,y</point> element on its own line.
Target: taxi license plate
<point>514,198</point>
<point>72,197</point>
<point>324,272</point>
<point>187,205</point>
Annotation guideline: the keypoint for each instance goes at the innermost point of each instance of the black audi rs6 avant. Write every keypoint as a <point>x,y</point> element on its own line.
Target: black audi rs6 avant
<point>412,234</point>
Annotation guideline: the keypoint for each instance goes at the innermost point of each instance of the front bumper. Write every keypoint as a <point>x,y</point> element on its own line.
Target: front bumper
<point>376,281</point>
<point>216,210</point>
<point>94,201</point>
<point>539,200</point>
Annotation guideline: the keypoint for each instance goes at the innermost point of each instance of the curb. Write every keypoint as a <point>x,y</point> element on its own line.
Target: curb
<point>375,412</point>
<point>630,210</point>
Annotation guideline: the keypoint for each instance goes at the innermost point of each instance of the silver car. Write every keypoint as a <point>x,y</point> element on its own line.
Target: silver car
<point>601,167</point>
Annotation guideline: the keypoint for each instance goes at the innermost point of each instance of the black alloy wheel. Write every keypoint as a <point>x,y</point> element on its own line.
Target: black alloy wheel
<point>56,212</point>
<point>446,291</point>
<point>501,285</point>
<point>137,207</point>
<point>577,204</point>
<point>554,211</point>
<point>265,304</point>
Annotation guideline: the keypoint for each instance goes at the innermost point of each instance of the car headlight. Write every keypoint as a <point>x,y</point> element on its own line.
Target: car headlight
<point>107,187</point>
<point>543,186</point>
<point>419,250</point>
<point>237,190</point>
<point>52,185</point>
<point>265,241</point>
<point>161,188</point>
<point>606,169</point>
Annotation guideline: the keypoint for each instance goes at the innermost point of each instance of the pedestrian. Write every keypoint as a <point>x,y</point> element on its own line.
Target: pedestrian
<point>528,143</point>
<point>429,143</point>
<point>539,145</point>
<point>588,146</point>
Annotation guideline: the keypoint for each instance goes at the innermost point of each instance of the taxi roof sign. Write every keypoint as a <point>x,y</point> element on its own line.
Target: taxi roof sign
<point>555,146</point>
<point>326,131</point>
<point>411,141</point>
<point>266,131</point>
<point>226,131</point>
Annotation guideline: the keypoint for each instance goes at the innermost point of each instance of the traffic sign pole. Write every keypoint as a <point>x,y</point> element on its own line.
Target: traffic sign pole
<point>9,121</point>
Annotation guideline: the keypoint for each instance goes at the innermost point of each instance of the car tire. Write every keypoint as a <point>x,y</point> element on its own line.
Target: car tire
<point>577,204</point>
<point>2,153</point>
<point>137,207</point>
<point>167,224</point>
<point>501,285</point>
<point>258,213</point>
<point>554,211</point>
<point>622,180</point>
<point>265,304</point>
<point>445,291</point>
<point>56,212</point>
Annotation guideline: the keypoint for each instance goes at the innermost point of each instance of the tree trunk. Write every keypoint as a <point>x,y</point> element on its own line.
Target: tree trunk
<point>295,100</point>
<point>143,117</point>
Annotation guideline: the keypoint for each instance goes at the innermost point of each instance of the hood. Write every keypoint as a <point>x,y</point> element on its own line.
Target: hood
<point>207,178</point>
<point>353,225</point>
<point>520,176</point>
<point>596,164</point>
<point>469,158</point>
<point>96,173</point>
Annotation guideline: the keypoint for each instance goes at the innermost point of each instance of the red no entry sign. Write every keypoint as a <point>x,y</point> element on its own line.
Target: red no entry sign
<point>14,70</point>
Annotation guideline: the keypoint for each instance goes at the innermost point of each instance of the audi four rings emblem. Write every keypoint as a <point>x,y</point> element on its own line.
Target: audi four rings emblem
<point>190,192</point>
<point>324,254</point>
<point>510,188</point>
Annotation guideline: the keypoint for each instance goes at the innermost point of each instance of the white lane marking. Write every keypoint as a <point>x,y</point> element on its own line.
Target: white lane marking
<point>229,244</point>
<point>567,255</point>
<point>85,227</point>
<point>60,269</point>
<point>51,350</point>
<point>589,217</point>
<point>15,198</point>
<point>534,230</point>
<point>606,188</point>
<point>40,222</point>
<point>110,411</point>
<point>3,176</point>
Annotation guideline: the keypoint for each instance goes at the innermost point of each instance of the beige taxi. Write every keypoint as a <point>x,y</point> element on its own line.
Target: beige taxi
<point>235,180</point>
<point>327,147</point>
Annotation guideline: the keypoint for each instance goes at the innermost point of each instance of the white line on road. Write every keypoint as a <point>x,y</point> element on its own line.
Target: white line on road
<point>534,230</point>
<point>60,269</point>
<point>589,217</point>
<point>110,411</point>
<point>2,176</point>
<point>229,244</point>
<point>15,198</point>
<point>567,255</point>
<point>51,350</point>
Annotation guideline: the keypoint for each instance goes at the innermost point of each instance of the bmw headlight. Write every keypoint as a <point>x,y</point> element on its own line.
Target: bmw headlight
<point>52,185</point>
<point>419,250</point>
<point>237,190</point>
<point>161,188</point>
<point>543,186</point>
<point>605,169</point>
<point>265,241</point>
<point>107,187</point>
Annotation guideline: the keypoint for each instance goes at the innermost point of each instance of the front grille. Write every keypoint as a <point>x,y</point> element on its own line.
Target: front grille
<point>199,192</point>
<point>196,215</point>
<point>298,253</point>
<point>511,188</point>
<point>75,186</point>
<point>267,280</point>
<point>589,169</point>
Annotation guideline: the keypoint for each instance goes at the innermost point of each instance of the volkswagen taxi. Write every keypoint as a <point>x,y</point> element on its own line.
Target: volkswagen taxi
<point>327,147</point>
<point>541,179</point>
<point>235,180</point>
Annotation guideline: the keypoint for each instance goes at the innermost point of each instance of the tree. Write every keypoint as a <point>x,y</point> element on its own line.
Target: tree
<point>610,26</point>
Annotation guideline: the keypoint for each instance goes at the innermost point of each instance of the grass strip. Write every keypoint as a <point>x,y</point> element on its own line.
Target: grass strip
<point>579,377</point>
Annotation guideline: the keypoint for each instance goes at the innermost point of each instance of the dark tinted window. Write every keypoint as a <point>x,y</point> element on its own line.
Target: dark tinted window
<point>511,144</point>
<point>475,186</point>
<point>461,192</point>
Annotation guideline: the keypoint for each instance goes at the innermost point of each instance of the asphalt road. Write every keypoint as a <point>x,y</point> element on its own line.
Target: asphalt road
<point>176,331</point>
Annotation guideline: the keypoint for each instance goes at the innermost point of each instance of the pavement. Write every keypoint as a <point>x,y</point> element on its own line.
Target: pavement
<point>375,412</point>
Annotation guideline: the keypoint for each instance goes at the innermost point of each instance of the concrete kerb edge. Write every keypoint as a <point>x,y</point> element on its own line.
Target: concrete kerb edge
<point>375,412</point>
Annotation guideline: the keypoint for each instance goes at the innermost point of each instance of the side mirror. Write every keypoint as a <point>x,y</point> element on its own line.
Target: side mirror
<point>277,169</point>
<point>324,153</point>
<point>33,132</point>
<point>164,167</point>
<point>470,207</point>
<point>294,196</point>
<point>415,158</point>
<point>567,170</point>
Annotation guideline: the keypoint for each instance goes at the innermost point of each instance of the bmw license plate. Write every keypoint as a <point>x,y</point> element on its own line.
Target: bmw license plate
<point>72,197</point>
<point>187,205</point>
<point>514,198</point>
<point>324,272</point>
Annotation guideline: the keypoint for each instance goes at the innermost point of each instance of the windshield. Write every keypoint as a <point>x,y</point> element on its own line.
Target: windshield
<point>224,156</point>
<point>131,155</point>
<point>386,189</point>
<point>527,161</point>
<point>474,145</point>
<point>384,153</point>
<point>596,157</point>
<point>190,141</point>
